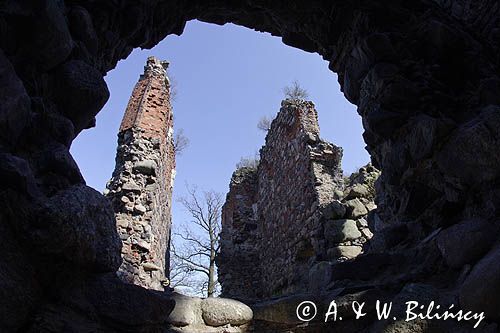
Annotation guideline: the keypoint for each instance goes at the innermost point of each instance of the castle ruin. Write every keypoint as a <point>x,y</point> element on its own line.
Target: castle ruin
<point>141,187</point>
<point>285,216</point>
<point>423,74</point>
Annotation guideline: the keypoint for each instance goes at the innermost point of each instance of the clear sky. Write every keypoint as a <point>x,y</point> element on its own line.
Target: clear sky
<point>227,77</point>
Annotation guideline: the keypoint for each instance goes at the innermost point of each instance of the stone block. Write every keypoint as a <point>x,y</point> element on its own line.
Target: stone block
<point>355,208</point>
<point>147,167</point>
<point>348,252</point>
<point>222,311</point>
<point>481,288</point>
<point>466,241</point>
<point>337,231</point>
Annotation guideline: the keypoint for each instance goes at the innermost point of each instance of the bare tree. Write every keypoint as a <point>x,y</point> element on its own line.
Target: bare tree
<point>200,240</point>
<point>181,279</point>
<point>264,123</point>
<point>249,162</point>
<point>295,91</point>
<point>173,88</point>
<point>178,276</point>
<point>181,142</point>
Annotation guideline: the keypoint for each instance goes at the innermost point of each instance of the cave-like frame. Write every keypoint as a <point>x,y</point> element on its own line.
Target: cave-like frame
<point>425,77</point>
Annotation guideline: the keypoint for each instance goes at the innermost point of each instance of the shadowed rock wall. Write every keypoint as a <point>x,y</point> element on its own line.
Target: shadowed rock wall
<point>141,187</point>
<point>424,75</point>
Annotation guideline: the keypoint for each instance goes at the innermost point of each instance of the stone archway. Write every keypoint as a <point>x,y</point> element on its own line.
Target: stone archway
<point>424,76</point>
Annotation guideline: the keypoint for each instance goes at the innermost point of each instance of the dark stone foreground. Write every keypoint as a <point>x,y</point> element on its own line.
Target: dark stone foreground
<point>424,75</point>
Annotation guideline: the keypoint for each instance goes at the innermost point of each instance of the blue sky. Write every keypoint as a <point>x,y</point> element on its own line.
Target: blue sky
<point>227,77</point>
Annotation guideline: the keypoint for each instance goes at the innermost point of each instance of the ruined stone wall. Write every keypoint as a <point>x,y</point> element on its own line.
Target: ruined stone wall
<point>239,237</point>
<point>286,215</point>
<point>289,195</point>
<point>141,187</point>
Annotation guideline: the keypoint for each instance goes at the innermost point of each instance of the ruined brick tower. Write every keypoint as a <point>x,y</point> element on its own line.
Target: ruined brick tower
<point>141,187</point>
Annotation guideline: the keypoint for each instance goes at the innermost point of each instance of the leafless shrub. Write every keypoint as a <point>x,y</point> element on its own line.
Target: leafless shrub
<point>181,141</point>
<point>295,91</point>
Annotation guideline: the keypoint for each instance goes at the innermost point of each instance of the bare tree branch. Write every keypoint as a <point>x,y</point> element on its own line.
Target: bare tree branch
<point>295,91</point>
<point>181,141</point>
<point>249,162</point>
<point>200,239</point>
<point>264,124</point>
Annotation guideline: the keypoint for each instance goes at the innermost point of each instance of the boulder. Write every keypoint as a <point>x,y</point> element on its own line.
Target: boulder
<point>14,102</point>
<point>355,208</point>
<point>362,223</point>
<point>466,241</point>
<point>334,210</point>
<point>348,252</point>
<point>281,310</point>
<point>187,311</point>
<point>125,305</point>
<point>81,92</point>
<point>481,288</point>
<point>338,231</point>
<point>122,222</point>
<point>473,147</point>
<point>358,191</point>
<point>223,311</point>
<point>78,225</point>
<point>319,276</point>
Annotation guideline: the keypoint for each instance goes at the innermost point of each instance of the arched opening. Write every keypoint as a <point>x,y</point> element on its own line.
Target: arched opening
<point>424,77</point>
<point>220,98</point>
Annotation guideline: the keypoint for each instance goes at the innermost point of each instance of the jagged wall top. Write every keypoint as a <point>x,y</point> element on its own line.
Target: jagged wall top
<point>148,109</point>
<point>155,67</point>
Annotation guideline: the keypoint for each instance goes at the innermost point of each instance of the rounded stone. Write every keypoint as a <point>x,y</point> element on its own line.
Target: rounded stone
<point>147,167</point>
<point>140,208</point>
<point>480,290</point>
<point>355,208</point>
<point>187,311</point>
<point>223,311</point>
<point>348,252</point>
<point>341,230</point>
<point>149,267</point>
<point>466,241</point>
<point>358,191</point>
<point>335,210</point>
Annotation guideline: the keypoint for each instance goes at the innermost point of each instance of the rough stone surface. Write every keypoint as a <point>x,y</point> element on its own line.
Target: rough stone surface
<point>103,303</point>
<point>76,224</point>
<point>480,289</point>
<point>466,241</point>
<point>358,191</point>
<point>355,208</point>
<point>424,75</point>
<point>222,311</point>
<point>338,231</point>
<point>217,315</point>
<point>320,274</point>
<point>141,187</point>
<point>348,252</point>
<point>187,311</point>
<point>239,236</point>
